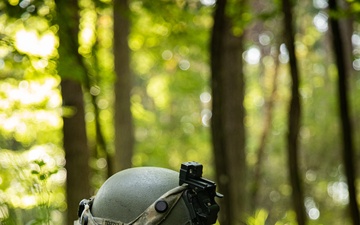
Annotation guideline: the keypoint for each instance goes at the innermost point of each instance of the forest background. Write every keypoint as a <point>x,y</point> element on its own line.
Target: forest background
<point>90,87</point>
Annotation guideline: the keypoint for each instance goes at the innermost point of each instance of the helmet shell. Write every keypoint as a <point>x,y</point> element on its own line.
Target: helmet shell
<point>128,193</point>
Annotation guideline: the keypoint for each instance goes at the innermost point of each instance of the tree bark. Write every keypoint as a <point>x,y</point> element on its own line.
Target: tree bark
<point>294,117</point>
<point>74,131</point>
<point>227,128</point>
<point>124,137</point>
<point>76,149</point>
<point>346,128</point>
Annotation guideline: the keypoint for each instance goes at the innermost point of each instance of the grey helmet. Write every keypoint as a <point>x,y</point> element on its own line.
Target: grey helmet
<point>152,195</point>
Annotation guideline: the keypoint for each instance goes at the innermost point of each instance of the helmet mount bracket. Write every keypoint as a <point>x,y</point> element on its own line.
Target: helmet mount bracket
<point>200,195</point>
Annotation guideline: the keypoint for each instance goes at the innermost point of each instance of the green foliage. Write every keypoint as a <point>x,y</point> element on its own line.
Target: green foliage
<point>31,186</point>
<point>170,100</point>
<point>259,218</point>
<point>171,76</point>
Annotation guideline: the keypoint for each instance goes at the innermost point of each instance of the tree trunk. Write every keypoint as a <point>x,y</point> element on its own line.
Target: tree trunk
<point>346,31</point>
<point>76,149</point>
<point>124,137</point>
<point>269,104</point>
<point>228,133</point>
<point>74,131</point>
<point>294,118</point>
<point>102,147</point>
<point>346,129</point>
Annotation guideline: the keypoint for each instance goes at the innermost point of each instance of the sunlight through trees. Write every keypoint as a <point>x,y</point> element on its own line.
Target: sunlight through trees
<point>174,102</point>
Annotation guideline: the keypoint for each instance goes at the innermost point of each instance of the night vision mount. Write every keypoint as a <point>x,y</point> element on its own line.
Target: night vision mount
<point>200,195</point>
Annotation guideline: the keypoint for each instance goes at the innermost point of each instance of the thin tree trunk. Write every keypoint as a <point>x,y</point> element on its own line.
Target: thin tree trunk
<point>346,129</point>
<point>264,135</point>
<point>124,137</point>
<point>100,149</point>
<point>346,31</point>
<point>228,133</point>
<point>294,118</point>
<point>101,141</point>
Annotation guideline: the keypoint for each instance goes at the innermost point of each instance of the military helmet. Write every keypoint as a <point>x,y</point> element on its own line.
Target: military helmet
<point>152,196</point>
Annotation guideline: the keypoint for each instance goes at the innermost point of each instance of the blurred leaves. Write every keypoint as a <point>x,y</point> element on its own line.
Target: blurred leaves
<point>170,101</point>
<point>259,218</point>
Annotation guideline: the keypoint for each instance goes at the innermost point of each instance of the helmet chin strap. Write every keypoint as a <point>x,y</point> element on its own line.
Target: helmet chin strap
<point>153,215</point>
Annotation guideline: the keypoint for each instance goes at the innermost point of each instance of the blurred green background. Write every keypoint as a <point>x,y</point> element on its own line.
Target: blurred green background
<point>171,102</point>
